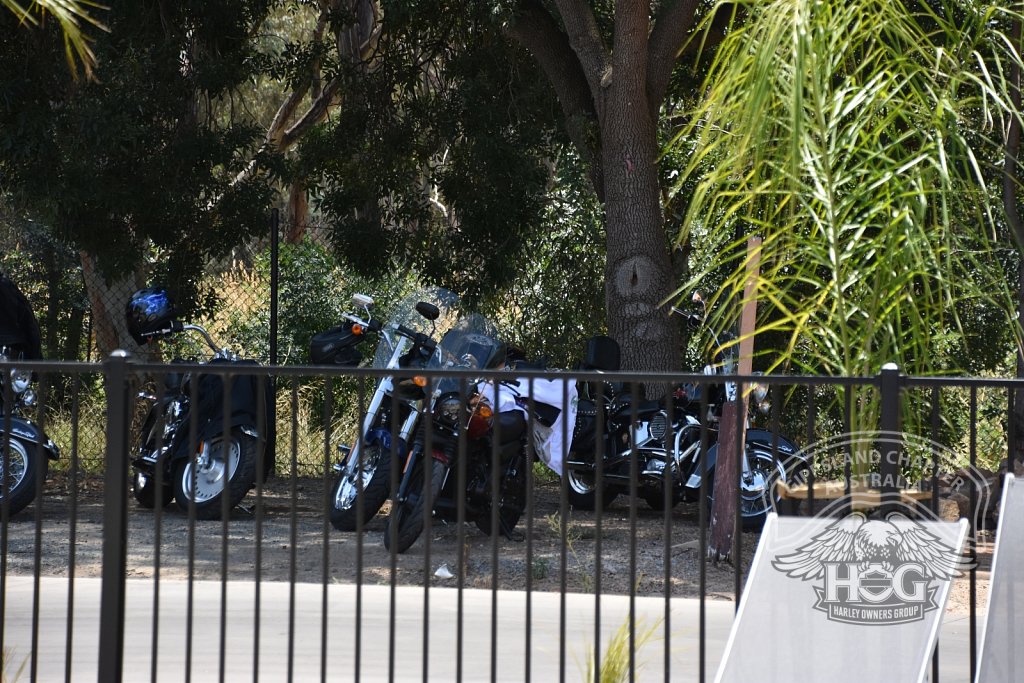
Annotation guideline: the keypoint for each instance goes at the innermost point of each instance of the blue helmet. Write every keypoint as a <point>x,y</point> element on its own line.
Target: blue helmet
<point>150,313</point>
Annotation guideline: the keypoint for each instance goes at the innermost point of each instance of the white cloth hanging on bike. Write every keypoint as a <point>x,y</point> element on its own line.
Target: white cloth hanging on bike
<point>554,414</point>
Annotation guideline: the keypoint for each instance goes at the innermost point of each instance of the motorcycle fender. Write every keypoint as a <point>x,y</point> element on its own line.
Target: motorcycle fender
<point>213,429</point>
<point>29,432</point>
<point>384,437</point>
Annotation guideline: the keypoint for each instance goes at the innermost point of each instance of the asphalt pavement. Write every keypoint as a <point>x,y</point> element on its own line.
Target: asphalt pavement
<point>293,645</point>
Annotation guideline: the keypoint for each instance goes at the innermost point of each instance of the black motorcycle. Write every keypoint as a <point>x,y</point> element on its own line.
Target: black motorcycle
<point>221,455</point>
<point>406,340</point>
<point>486,418</point>
<point>26,450</point>
<point>644,432</point>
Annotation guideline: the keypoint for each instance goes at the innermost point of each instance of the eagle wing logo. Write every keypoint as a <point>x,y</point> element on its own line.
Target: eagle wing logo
<point>896,540</point>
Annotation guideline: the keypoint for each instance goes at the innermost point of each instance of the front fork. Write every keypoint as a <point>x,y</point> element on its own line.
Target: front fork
<point>350,454</point>
<point>416,454</point>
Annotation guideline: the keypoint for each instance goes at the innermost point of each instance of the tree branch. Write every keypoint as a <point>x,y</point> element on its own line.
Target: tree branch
<point>535,29</point>
<point>585,39</point>
<point>675,33</point>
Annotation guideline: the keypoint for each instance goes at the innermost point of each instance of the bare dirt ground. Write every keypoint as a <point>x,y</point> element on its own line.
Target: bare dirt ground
<point>279,541</point>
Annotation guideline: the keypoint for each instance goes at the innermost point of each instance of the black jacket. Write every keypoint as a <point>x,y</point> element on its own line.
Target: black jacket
<point>18,326</point>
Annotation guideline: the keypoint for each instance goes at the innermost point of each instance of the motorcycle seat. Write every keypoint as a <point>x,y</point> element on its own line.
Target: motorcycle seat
<point>624,406</point>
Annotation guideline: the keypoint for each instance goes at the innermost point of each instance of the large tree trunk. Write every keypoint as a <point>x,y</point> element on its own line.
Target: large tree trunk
<point>638,271</point>
<point>108,300</point>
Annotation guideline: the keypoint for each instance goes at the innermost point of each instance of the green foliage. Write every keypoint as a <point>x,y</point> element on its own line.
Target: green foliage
<point>557,301</point>
<point>853,138</point>
<point>436,161</point>
<point>133,159</point>
<point>615,661</point>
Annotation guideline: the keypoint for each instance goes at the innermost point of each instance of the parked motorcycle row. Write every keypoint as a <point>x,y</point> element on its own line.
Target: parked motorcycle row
<point>445,444</point>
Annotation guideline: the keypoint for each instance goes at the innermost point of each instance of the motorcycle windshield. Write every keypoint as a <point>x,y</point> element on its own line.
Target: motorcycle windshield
<point>405,313</point>
<point>471,344</point>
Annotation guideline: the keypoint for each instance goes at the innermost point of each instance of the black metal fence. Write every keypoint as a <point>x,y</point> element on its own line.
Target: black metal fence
<point>564,581</point>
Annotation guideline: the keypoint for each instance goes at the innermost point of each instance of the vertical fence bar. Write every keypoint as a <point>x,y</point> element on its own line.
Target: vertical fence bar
<point>275,242</point>
<point>72,524</point>
<point>935,498</point>
<point>115,519</point>
<point>890,445</point>
<point>973,545</point>
<point>325,557</point>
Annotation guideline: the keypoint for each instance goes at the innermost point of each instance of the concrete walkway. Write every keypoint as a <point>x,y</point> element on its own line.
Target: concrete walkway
<point>298,658</point>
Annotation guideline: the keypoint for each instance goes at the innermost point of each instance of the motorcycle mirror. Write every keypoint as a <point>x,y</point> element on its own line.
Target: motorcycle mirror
<point>428,310</point>
<point>362,300</point>
<point>697,298</point>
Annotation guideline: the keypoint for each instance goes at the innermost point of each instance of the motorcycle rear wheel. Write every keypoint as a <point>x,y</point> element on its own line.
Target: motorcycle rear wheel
<point>205,483</point>
<point>25,467</point>
<point>345,496</point>
<point>511,500</point>
<point>583,492</point>
<point>755,494</point>
<point>406,518</point>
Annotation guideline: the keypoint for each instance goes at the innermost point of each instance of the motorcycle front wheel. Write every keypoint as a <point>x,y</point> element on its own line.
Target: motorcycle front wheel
<point>583,491</point>
<point>228,467</point>
<point>145,491</point>
<point>24,468</point>
<point>756,488</point>
<point>345,497</point>
<point>406,519</point>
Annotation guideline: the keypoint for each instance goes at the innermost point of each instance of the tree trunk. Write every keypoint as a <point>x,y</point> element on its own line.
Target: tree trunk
<point>108,300</point>
<point>1013,219</point>
<point>638,271</point>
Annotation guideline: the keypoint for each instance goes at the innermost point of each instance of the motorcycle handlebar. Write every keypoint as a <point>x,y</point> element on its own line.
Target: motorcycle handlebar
<point>417,337</point>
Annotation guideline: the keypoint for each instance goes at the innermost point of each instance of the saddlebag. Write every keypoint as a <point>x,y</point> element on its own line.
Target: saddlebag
<point>336,346</point>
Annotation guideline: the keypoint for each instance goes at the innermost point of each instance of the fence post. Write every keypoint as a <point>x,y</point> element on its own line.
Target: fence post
<point>275,242</point>
<point>115,518</point>
<point>890,442</point>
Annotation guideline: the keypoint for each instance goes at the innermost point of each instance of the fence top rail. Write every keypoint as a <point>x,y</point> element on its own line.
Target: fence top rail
<point>624,377</point>
<point>51,366</point>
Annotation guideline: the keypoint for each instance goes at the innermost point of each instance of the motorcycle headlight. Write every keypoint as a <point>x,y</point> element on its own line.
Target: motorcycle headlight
<point>20,379</point>
<point>449,409</point>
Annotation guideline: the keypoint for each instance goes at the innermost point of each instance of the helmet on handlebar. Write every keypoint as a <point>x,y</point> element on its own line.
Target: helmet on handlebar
<point>150,313</point>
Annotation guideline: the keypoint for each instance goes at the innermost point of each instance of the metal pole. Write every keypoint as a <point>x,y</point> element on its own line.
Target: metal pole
<point>115,519</point>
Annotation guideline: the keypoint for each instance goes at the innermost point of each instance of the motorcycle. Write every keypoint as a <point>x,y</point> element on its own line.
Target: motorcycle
<point>490,424</point>
<point>221,456</point>
<point>660,439</point>
<point>364,473</point>
<point>27,451</point>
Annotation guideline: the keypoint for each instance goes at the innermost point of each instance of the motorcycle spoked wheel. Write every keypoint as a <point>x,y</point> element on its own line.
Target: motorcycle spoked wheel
<point>203,484</point>
<point>755,493</point>
<point>406,518</point>
<point>583,492</point>
<point>376,474</point>
<point>145,491</point>
<point>511,500</point>
<point>23,471</point>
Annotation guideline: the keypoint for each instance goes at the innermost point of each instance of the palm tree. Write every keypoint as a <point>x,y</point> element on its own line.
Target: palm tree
<point>861,140</point>
<point>70,14</point>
